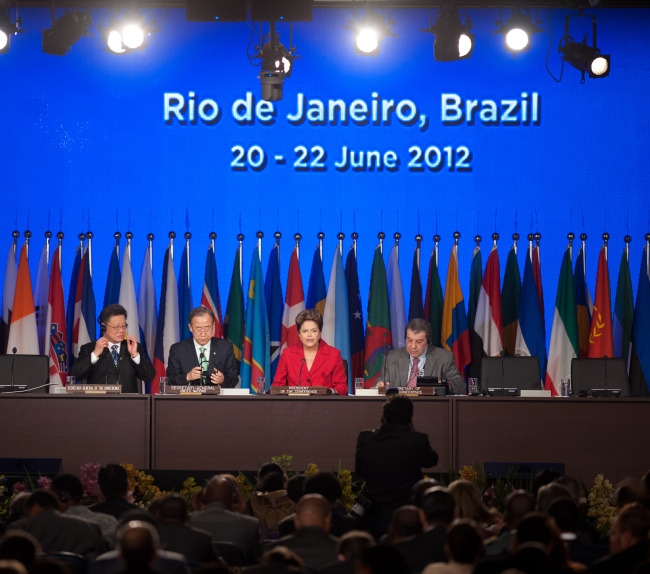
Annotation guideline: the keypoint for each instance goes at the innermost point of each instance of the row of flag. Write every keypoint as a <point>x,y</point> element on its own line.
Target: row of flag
<point>500,319</point>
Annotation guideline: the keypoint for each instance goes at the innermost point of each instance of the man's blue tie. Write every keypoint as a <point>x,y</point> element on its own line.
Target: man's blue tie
<point>114,354</point>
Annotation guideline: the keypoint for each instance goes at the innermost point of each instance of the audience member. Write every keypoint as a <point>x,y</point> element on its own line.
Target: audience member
<point>390,460</point>
<point>138,545</point>
<point>311,540</point>
<point>438,511</point>
<point>382,559</point>
<point>114,485</point>
<point>349,550</point>
<point>420,487</point>
<point>278,560</point>
<point>20,546</point>
<point>406,522</point>
<point>467,499</point>
<point>57,532</point>
<point>224,524</point>
<point>69,492</point>
<point>270,503</point>
<point>12,567</point>
<point>17,507</point>
<point>628,491</point>
<point>463,548</point>
<point>542,478</point>
<point>628,546</point>
<point>295,489</point>
<point>170,513</point>
<point>574,486</point>
<point>549,493</point>
<point>517,504</point>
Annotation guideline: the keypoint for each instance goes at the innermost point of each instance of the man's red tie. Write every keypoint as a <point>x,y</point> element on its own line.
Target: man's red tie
<point>415,372</point>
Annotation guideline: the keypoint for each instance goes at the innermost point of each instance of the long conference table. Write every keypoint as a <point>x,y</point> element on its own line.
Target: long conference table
<point>219,433</point>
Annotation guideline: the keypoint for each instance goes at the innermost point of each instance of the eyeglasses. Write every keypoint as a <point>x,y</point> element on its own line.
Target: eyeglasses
<point>202,329</point>
<point>122,327</point>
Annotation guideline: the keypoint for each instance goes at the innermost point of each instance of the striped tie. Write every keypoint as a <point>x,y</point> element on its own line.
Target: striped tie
<point>114,354</point>
<point>415,372</point>
<point>203,363</point>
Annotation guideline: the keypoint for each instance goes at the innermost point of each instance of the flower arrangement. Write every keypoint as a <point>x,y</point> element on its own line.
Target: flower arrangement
<point>601,509</point>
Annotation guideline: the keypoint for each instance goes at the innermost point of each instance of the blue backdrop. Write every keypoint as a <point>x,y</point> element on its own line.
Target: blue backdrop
<point>96,133</point>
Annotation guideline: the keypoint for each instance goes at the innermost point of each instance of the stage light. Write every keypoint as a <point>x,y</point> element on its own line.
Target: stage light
<point>7,29</point>
<point>369,31</point>
<point>128,33</point>
<point>518,30</point>
<point>453,40</point>
<point>582,56</point>
<point>65,32</point>
<point>277,64</point>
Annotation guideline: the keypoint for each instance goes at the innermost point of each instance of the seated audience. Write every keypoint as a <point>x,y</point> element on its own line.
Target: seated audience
<point>628,491</point>
<point>170,513</point>
<point>549,493</point>
<point>114,485</point>
<point>518,503</point>
<point>138,545</point>
<point>420,487</point>
<point>438,511</point>
<point>270,503</point>
<point>57,532</point>
<point>278,560</point>
<point>406,522</point>
<point>69,492</point>
<point>295,490</point>
<point>349,550</point>
<point>20,546</point>
<point>223,522</point>
<point>463,548</point>
<point>311,540</point>
<point>468,502</point>
<point>17,507</point>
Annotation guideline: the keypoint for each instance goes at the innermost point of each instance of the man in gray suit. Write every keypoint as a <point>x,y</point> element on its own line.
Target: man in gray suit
<point>402,366</point>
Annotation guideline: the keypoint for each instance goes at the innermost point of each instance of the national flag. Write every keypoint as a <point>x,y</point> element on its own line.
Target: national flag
<point>293,304</point>
<point>70,309</point>
<point>185,304</point>
<point>317,292</point>
<point>85,330</point>
<point>127,295</point>
<point>584,306</point>
<point>23,335</point>
<point>57,341</point>
<point>379,339</point>
<point>210,296</point>
<point>396,296</point>
<point>433,303</point>
<point>601,340</point>
<point>233,324</point>
<point>41,291</point>
<point>257,359</point>
<point>336,320</point>
<point>168,331</point>
<point>114,280</point>
<point>454,332</point>
<point>510,301</point>
<point>416,307</point>
<point>564,332</point>
<point>147,306</point>
<point>275,307</point>
<point>537,273</point>
<point>475,342</point>
<point>531,339</point>
<point>640,351</point>
<point>9,289</point>
<point>623,309</point>
<point>488,322</point>
<point>355,311</point>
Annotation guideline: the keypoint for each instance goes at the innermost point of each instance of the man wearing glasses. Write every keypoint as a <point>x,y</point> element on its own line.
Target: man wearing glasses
<point>203,359</point>
<point>116,357</point>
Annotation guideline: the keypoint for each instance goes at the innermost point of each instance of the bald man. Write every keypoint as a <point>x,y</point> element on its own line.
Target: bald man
<point>312,541</point>
<point>223,522</point>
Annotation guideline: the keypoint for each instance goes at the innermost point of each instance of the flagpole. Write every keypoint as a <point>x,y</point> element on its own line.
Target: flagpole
<point>381,236</point>
<point>117,236</point>
<point>397,236</point>
<point>418,240</point>
<point>259,236</point>
<point>128,236</point>
<point>89,235</point>
<point>571,237</point>
<point>583,239</point>
<point>538,236</point>
<point>341,237</point>
<point>531,236</point>
<point>150,239</point>
<point>213,236</point>
<point>277,236</point>
<point>320,236</point>
<point>436,241</point>
<point>59,236</point>
<point>297,237</point>
<point>355,236</point>
<point>27,234</point>
<point>627,240</point>
<point>81,237</point>
<point>495,237</point>
<point>188,236</point>
<point>605,240</point>
<point>240,238</point>
<point>48,234</point>
<point>171,236</point>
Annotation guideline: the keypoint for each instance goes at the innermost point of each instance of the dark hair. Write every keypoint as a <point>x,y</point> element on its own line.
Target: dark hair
<point>418,325</point>
<point>199,312</point>
<point>399,410</point>
<point>463,542</point>
<point>634,519</point>
<point>628,491</point>
<point>170,508</point>
<point>268,468</point>
<point>534,528</point>
<point>405,522</point>
<point>324,483</point>
<point>42,498</point>
<point>438,506</point>
<point>113,310</point>
<point>565,514</point>
<point>67,486</point>
<point>384,559</point>
<point>271,482</point>
<point>295,487</point>
<point>19,545</point>
<point>549,493</point>
<point>353,543</point>
<point>309,315</point>
<point>113,481</point>
<point>137,543</point>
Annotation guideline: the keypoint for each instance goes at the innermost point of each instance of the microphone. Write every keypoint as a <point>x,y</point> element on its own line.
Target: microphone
<point>302,364</point>
<point>13,358</point>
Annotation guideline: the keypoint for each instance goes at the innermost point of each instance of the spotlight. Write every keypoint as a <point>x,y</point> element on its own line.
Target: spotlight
<point>7,28</point>
<point>277,64</point>
<point>65,32</point>
<point>583,57</point>
<point>453,40</point>
<point>518,30</point>
<point>129,33</point>
<point>369,31</point>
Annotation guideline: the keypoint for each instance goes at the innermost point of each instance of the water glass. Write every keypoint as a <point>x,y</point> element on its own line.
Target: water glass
<point>163,386</point>
<point>565,387</point>
<point>472,386</point>
<point>70,380</point>
<point>261,385</point>
<point>358,384</point>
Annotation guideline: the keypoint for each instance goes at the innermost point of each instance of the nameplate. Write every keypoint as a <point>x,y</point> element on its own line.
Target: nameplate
<point>374,392</point>
<point>298,391</point>
<point>94,389</point>
<point>192,390</point>
<point>409,391</point>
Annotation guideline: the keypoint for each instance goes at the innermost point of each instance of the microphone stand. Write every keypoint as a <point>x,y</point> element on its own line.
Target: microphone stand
<point>302,364</point>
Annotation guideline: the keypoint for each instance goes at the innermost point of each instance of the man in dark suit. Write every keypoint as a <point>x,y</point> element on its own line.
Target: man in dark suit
<point>203,359</point>
<point>402,366</point>
<point>390,459</point>
<point>115,357</point>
